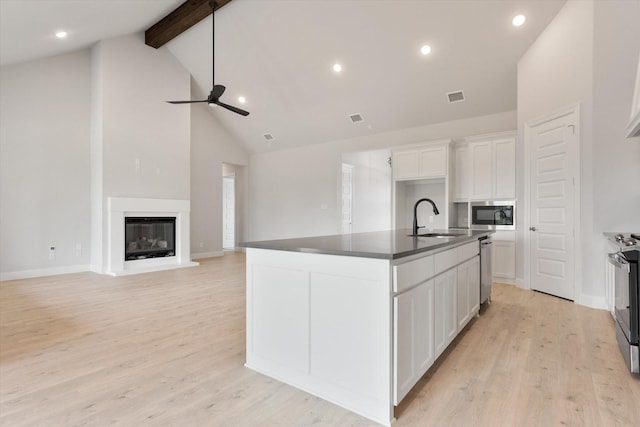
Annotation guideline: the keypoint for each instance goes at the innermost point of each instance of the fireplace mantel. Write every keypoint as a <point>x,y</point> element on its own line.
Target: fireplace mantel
<point>121,207</point>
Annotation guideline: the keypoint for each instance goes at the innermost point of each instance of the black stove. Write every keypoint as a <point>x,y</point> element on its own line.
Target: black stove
<point>627,296</point>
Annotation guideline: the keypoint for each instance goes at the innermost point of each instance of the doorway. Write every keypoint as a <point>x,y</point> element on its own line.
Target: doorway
<point>553,197</point>
<point>229,212</point>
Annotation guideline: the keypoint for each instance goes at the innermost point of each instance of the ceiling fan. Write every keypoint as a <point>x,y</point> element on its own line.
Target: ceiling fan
<point>218,90</point>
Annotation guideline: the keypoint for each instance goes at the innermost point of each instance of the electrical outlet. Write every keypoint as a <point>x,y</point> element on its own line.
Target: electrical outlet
<point>78,249</point>
<point>201,244</point>
<point>52,253</point>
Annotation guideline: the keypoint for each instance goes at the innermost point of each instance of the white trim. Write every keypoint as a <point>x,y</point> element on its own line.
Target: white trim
<point>42,272</point>
<point>577,253</point>
<point>202,255</point>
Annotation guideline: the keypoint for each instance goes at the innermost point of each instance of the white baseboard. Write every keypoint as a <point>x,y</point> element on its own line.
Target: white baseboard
<point>592,301</point>
<point>41,272</point>
<point>508,281</point>
<point>201,255</point>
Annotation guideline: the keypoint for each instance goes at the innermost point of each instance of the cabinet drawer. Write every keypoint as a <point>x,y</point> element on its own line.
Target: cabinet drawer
<point>468,251</point>
<point>411,273</point>
<point>445,260</point>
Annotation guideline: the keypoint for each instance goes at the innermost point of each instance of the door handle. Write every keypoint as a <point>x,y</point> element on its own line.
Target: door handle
<point>532,228</point>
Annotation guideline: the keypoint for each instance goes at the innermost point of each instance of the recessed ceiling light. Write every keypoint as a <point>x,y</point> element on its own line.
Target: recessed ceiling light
<point>518,20</point>
<point>337,68</point>
<point>242,99</point>
<point>425,50</point>
<point>61,34</point>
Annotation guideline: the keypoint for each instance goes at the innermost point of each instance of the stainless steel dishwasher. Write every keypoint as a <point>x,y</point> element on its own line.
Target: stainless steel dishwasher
<point>486,269</point>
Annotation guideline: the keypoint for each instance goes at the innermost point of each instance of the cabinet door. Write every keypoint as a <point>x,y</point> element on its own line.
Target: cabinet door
<point>504,160</point>
<point>481,170</point>
<point>413,337</point>
<point>445,319</point>
<point>433,162</point>
<point>406,164</point>
<point>468,282</point>
<point>474,286</point>
<point>462,175</point>
<point>504,259</point>
<point>463,295</point>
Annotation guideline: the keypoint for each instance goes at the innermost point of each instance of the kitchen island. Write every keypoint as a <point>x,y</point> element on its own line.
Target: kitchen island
<point>357,319</point>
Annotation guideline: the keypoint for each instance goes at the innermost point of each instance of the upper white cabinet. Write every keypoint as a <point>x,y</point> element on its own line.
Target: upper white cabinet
<point>462,178</point>
<point>486,167</point>
<point>423,161</point>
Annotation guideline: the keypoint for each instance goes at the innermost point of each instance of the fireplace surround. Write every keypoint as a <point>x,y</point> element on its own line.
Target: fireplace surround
<point>121,208</point>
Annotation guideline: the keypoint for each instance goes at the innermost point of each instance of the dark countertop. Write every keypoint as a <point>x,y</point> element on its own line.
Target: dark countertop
<point>391,244</point>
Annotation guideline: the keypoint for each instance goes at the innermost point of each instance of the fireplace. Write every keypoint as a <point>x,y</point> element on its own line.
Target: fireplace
<point>149,237</point>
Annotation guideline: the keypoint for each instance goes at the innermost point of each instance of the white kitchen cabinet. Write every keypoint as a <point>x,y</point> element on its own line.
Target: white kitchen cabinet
<point>504,256</point>
<point>488,171</point>
<point>419,162</point>
<point>462,181</point>
<point>406,164</point>
<point>445,311</point>
<point>468,291</point>
<point>481,170</point>
<point>413,337</point>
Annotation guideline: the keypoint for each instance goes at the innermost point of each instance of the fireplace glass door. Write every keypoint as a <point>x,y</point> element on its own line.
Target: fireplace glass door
<point>149,237</point>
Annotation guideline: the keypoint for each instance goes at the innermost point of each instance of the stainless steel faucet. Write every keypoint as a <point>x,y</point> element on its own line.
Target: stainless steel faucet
<point>415,214</point>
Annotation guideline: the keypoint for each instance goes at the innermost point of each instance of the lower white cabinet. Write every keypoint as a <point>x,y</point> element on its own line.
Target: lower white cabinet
<point>413,337</point>
<point>428,315</point>
<point>445,312</point>
<point>468,288</point>
<point>504,255</point>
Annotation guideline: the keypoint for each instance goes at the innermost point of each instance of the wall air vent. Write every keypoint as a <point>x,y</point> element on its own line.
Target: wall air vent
<point>355,118</point>
<point>456,96</point>
<point>268,137</point>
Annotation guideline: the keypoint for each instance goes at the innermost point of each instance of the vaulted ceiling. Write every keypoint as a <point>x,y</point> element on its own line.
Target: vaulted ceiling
<point>279,54</point>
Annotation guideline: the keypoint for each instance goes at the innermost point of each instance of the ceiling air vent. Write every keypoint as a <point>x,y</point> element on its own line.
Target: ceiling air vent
<point>456,96</point>
<point>268,137</point>
<point>355,118</point>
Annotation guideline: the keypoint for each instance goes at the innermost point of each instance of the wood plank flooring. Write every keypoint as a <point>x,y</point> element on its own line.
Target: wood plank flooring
<point>167,349</point>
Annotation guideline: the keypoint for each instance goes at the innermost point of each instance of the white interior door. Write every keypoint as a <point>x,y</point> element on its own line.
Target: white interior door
<point>228,212</point>
<point>553,159</point>
<point>347,198</point>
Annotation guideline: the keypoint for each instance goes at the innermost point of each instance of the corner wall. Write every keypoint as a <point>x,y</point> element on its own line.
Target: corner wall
<point>211,146</point>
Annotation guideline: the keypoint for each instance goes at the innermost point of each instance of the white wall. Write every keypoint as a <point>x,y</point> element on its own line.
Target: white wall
<point>371,198</point>
<point>294,192</point>
<point>587,55</point>
<point>615,159</point>
<point>140,144</point>
<point>211,146</point>
<point>44,163</point>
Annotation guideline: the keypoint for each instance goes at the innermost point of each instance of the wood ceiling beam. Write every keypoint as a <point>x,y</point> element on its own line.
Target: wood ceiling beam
<point>180,20</point>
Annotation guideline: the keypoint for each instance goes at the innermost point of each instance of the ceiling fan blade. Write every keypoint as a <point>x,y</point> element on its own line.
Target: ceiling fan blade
<point>186,102</point>
<point>232,108</point>
<point>217,91</point>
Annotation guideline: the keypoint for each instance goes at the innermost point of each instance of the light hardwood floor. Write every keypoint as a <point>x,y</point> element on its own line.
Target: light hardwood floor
<point>167,349</point>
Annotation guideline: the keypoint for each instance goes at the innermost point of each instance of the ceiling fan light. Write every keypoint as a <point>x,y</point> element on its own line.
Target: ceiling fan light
<point>242,99</point>
<point>337,67</point>
<point>61,34</point>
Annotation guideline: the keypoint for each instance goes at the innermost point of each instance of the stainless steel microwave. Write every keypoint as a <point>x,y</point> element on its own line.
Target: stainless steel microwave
<point>493,215</point>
